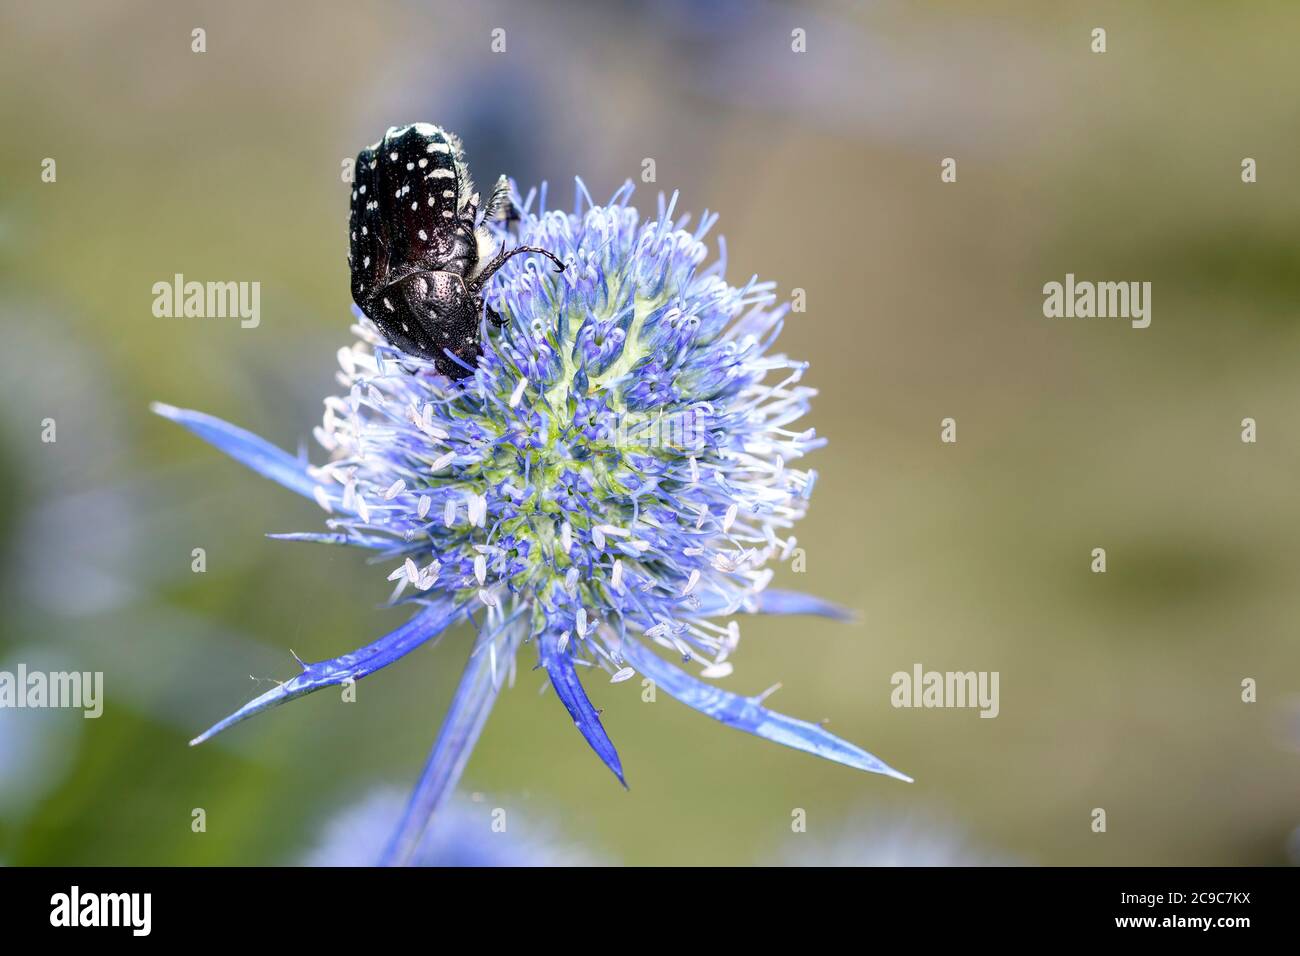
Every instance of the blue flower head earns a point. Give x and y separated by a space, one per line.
615 477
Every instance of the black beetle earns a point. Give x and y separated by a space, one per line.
415 252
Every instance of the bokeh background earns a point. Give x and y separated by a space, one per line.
1119 691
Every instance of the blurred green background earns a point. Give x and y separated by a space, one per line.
1119 691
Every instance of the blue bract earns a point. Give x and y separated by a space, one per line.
615 477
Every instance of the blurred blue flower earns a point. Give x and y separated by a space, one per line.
464 835
891 838
497 499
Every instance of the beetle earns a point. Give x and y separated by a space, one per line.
419 264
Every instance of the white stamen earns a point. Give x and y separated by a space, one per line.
566 537
422 510
625 673
322 499
449 512
616 579
518 393
691 582
395 489
480 569
722 669
807 491
730 517
412 573
443 461
477 510
563 642
581 621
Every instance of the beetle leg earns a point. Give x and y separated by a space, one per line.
500 258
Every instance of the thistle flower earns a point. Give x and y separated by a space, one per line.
616 474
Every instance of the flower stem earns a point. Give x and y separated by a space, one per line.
479 685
